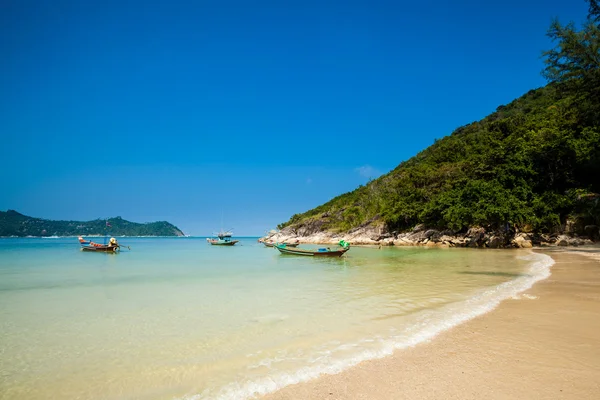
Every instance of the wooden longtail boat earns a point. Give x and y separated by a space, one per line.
87 245
322 252
272 244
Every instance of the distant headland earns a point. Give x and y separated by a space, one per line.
13 223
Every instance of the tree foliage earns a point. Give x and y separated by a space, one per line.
575 61
594 10
577 53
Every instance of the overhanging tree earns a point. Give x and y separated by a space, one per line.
575 62
577 54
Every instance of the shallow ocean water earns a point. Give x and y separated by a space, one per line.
178 318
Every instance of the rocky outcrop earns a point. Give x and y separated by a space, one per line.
475 237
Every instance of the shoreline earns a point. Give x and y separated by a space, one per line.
542 343
475 237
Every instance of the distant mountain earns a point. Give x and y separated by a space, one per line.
13 223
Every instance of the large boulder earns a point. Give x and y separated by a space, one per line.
402 240
387 242
495 242
433 235
475 236
522 240
562 240
418 228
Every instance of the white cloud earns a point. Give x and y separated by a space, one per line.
366 171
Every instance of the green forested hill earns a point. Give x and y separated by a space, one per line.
534 164
13 223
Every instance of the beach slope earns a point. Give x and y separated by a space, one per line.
543 344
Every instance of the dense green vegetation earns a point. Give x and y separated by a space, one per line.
533 164
13 223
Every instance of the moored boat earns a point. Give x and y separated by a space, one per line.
222 238
272 244
320 252
87 245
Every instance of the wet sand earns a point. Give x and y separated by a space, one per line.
545 344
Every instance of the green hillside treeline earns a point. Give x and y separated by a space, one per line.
13 223
533 164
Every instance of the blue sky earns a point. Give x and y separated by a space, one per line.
244 112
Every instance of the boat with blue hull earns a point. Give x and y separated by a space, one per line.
222 238
320 252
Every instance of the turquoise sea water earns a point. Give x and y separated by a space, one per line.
176 318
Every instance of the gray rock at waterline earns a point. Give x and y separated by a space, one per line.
495 242
475 237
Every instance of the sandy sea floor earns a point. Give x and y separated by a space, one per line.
543 344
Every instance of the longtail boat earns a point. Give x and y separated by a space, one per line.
222 239
272 244
88 245
321 252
